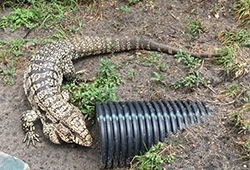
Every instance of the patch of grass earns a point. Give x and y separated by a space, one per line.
192 80
241 117
36 14
227 60
20 17
130 2
163 67
242 9
125 8
246 149
152 58
10 51
101 89
235 39
233 90
7 75
194 28
157 78
153 159
233 67
189 61
131 74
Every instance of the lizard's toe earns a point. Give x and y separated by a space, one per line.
31 137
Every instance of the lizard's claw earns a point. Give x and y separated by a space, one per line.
31 137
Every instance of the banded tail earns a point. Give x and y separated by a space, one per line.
89 45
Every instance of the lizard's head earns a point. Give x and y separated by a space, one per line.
73 129
80 136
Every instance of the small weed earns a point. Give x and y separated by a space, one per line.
235 39
125 8
240 117
242 9
163 67
169 159
8 73
132 1
131 74
232 90
157 78
10 51
226 61
194 28
16 46
151 59
189 61
20 17
101 89
192 80
130 60
35 14
152 159
246 149
12 48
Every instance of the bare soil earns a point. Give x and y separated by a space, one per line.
211 145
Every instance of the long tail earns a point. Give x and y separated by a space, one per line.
93 45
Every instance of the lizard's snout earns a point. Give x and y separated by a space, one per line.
87 141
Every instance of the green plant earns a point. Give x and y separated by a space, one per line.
170 158
35 14
133 1
157 78
125 8
192 80
232 68
189 61
101 89
20 17
131 74
153 158
152 58
163 67
242 9
8 73
246 148
194 28
240 117
10 51
232 90
235 39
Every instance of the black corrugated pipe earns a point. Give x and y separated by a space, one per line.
128 128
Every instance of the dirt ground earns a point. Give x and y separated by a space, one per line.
211 145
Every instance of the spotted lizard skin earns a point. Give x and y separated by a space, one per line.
63 122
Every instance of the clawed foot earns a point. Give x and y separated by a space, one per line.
31 137
28 119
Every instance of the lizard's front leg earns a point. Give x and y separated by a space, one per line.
50 131
57 133
28 123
